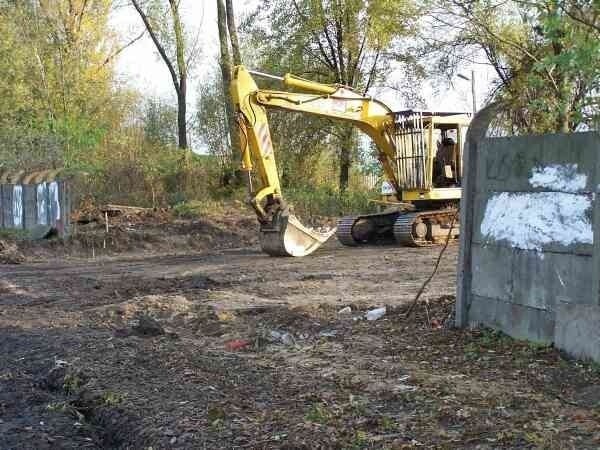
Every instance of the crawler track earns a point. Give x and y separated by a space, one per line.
412 229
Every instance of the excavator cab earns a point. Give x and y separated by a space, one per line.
429 149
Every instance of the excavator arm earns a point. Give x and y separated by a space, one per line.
281 233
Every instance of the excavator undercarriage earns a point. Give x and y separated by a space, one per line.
406 228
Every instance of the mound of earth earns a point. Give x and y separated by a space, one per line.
97 234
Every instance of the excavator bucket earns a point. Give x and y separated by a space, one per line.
288 237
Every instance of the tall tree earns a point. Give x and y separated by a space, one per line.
227 38
176 61
233 35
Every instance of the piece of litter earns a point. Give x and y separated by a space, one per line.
376 313
330 333
283 337
236 344
404 388
346 310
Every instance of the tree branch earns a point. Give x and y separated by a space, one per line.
158 45
109 58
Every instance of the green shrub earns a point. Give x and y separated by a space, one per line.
325 201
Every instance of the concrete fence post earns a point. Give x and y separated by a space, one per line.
596 235
476 133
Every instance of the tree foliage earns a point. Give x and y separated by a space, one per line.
351 42
56 78
547 62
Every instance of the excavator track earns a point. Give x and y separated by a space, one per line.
424 228
367 228
344 231
409 229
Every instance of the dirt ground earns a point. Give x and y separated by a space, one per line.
227 348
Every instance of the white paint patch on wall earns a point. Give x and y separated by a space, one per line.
18 206
54 200
558 177
530 220
42 205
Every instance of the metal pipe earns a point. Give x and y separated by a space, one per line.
265 75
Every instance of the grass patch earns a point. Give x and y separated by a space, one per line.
111 398
195 208
72 383
318 413
14 234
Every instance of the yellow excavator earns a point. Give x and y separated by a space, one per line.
420 153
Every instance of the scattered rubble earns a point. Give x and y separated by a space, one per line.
10 254
282 337
266 360
148 327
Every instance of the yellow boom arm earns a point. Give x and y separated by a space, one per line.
332 101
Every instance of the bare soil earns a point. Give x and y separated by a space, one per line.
228 348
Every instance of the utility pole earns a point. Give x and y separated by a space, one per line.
473 95
473 92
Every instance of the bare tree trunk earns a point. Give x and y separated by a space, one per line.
179 75
226 71
235 44
347 143
182 69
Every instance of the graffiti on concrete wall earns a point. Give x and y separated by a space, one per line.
33 200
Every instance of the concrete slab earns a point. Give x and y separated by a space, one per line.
6 192
543 280
578 330
492 272
520 322
29 202
506 163
479 206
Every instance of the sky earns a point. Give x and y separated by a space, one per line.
139 65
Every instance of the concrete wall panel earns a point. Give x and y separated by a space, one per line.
520 322
577 330
30 208
27 206
7 205
541 280
479 209
507 163
530 272
492 272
